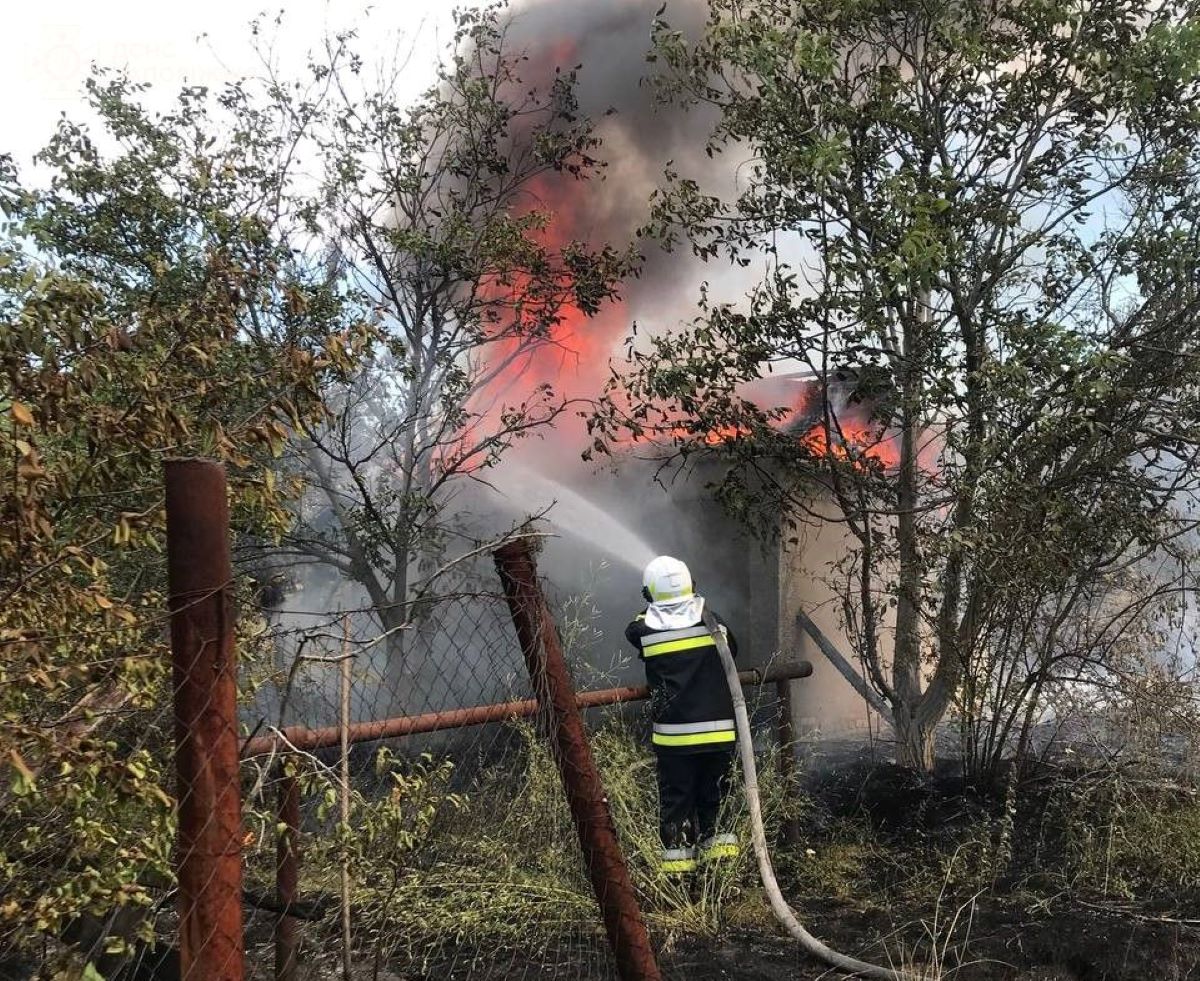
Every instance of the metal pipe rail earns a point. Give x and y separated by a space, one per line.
304 738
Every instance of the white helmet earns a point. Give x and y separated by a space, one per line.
666 579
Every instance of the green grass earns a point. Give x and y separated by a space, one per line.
445 867
498 865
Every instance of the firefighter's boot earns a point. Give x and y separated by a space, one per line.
719 848
678 861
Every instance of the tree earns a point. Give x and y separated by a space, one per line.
438 220
985 215
182 285
152 304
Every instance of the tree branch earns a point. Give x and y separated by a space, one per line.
843 665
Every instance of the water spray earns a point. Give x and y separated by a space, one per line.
574 515
783 912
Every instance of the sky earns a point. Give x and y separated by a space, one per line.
51 44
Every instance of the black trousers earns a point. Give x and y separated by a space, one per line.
691 789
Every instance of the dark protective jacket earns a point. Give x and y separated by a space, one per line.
689 697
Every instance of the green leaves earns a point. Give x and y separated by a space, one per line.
151 304
991 208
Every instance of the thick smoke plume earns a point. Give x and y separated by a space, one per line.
609 43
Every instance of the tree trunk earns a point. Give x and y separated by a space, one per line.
395 677
914 745
914 739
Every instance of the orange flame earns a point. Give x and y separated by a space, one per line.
848 437
853 442
540 338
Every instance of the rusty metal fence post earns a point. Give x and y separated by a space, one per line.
785 733
206 747
585 793
287 872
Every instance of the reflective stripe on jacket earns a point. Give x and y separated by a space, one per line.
689 697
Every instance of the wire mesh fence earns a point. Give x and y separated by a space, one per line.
448 849
457 852
397 808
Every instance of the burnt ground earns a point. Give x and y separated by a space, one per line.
1001 942
1003 946
1004 943
870 878
1039 919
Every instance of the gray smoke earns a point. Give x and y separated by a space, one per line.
609 43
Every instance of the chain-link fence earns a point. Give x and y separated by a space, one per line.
445 847
369 803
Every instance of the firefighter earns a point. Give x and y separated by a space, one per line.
692 710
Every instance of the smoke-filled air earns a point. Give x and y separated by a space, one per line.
612 490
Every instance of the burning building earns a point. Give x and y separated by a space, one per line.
610 522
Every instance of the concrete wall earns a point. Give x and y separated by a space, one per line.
801 574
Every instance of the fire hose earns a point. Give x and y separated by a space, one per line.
783 912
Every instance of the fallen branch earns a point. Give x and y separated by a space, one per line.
1135 915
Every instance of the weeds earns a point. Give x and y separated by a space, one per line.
941 950
1106 833
480 859
497 865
